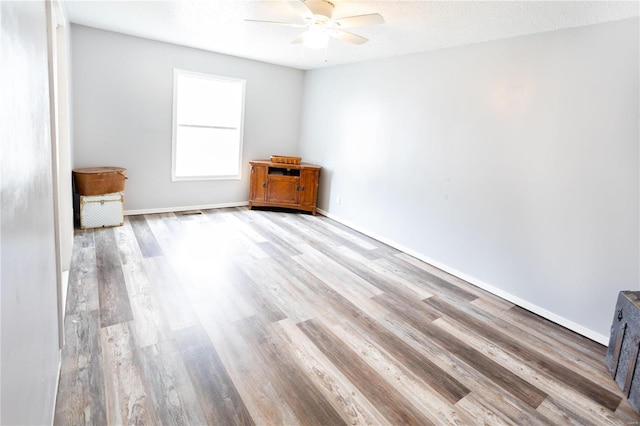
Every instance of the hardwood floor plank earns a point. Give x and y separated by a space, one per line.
386 399
337 305
304 234
168 291
307 402
127 244
588 349
590 367
421 389
488 298
445 385
222 285
430 282
146 241
371 272
256 292
481 412
214 215
484 389
216 393
572 401
626 414
507 380
574 380
162 233
559 413
169 386
344 229
244 227
488 305
276 288
338 238
126 398
275 252
408 309
343 395
149 326
81 394
334 229
311 288
228 239
82 293
264 403
349 285
392 282
272 234
115 307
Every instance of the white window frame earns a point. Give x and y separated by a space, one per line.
176 74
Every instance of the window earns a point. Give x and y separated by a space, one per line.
208 115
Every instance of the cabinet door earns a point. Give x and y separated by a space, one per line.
258 182
308 187
282 189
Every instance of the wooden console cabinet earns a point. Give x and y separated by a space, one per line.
292 186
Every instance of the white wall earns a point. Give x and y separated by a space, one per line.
29 326
513 163
122 109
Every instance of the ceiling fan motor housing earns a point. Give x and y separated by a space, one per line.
320 7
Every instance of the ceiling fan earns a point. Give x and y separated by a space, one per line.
317 18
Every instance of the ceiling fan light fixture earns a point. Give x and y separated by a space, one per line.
315 38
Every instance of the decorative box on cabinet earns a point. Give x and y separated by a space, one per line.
98 211
624 343
293 186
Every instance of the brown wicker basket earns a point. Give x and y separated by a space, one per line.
99 180
285 159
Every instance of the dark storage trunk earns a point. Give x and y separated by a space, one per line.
622 354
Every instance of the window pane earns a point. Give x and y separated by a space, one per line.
208 115
207 152
209 102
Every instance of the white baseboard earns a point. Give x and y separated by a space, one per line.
185 208
597 337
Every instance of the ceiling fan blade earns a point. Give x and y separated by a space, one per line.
286 24
346 36
359 20
300 8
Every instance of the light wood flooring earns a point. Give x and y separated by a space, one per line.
233 316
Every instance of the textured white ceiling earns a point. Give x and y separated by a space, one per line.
410 27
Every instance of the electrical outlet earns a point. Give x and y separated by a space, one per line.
339 199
